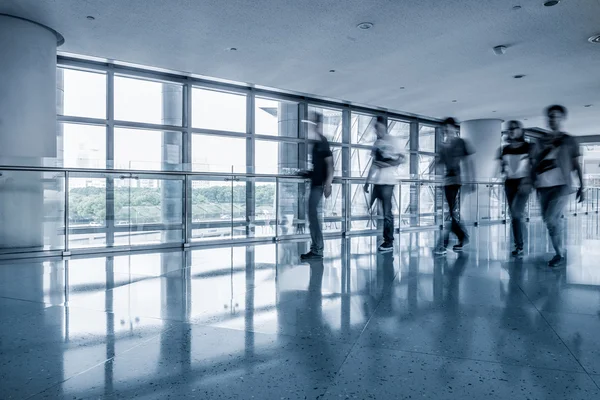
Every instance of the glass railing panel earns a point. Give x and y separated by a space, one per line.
265 203
292 203
32 207
88 208
155 209
212 208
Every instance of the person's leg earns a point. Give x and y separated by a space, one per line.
517 214
450 194
316 236
457 228
387 191
511 190
556 203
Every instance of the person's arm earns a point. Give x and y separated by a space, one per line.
329 178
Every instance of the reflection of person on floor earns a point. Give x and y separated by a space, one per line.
454 152
321 178
516 159
386 156
556 158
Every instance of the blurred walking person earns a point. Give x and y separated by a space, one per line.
555 161
516 160
321 178
454 154
386 156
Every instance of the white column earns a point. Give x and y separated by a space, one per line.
485 136
27 126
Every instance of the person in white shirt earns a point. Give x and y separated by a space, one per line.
386 156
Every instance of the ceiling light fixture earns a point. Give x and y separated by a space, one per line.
91 18
588 105
365 25
402 88
494 111
232 49
332 70
519 76
516 8
454 101
551 3
594 39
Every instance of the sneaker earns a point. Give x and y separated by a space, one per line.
311 256
386 247
518 252
440 251
461 246
557 261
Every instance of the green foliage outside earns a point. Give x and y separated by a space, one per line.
143 205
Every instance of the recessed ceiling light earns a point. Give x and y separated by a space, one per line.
232 49
588 105
551 3
594 39
332 70
516 8
365 25
454 101
91 18
524 119
519 76
494 111
402 88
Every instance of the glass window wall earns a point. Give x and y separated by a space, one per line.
136 130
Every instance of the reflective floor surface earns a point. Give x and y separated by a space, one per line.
252 322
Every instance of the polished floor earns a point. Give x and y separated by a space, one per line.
251 322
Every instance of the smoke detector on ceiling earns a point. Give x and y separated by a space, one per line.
594 39
365 25
499 50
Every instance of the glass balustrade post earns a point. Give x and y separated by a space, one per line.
276 236
477 204
66 216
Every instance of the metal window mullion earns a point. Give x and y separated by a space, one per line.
346 167
110 156
186 158
414 172
250 165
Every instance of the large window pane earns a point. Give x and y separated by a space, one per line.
84 93
360 159
147 149
218 110
362 129
401 130
147 101
276 118
212 153
426 166
84 145
276 157
332 122
426 138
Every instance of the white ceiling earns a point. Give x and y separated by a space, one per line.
438 50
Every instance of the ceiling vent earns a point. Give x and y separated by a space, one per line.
594 39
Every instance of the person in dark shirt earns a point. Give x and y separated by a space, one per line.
453 153
516 160
321 178
556 158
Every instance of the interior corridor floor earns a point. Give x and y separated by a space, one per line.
252 322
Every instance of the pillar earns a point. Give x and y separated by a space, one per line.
485 137
27 126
